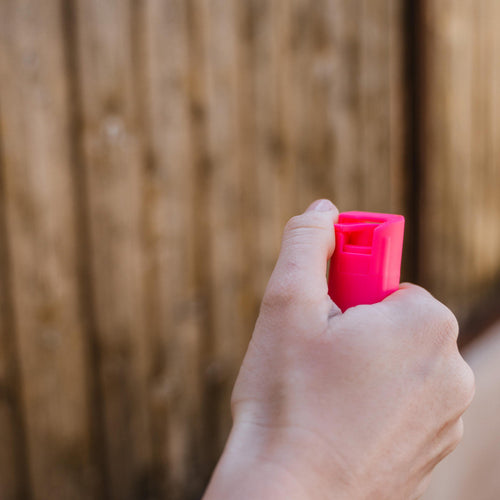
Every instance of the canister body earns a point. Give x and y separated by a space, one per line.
366 264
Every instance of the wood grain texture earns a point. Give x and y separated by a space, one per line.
13 464
151 152
460 241
224 205
113 168
171 240
368 105
40 220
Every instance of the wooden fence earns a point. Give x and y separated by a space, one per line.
150 154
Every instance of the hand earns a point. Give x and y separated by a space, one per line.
360 405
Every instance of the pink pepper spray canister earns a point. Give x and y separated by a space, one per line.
366 264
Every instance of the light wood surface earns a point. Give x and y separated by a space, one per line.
460 206
150 155
41 240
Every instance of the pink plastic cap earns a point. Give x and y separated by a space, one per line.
366 265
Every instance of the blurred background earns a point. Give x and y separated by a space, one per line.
151 152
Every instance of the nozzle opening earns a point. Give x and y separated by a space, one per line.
359 236
362 236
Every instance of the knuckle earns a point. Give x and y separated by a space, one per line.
467 385
415 290
297 225
456 434
446 324
451 439
294 223
278 296
461 386
306 221
450 324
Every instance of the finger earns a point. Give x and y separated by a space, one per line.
414 304
409 301
406 290
308 242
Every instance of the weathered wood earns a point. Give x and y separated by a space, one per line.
460 209
40 217
228 336
171 241
112 158
191 132
13 465
265 195
366 104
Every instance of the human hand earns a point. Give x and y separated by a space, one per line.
360 405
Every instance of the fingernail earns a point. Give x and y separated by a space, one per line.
321 206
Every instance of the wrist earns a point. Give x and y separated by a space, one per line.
259 462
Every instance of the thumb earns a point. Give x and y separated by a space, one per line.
308 242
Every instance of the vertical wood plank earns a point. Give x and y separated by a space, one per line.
381 124
112 157
266 193
224 207
202 165
460 208
13 464
171 223
485 242
309 107
40 216
367 105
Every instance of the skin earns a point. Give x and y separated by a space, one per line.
360 405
